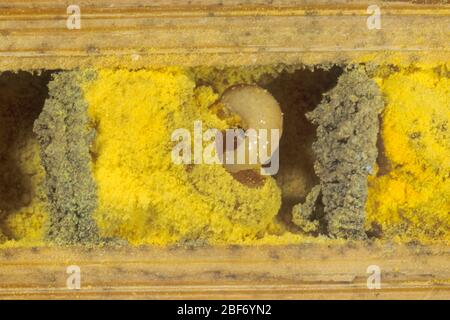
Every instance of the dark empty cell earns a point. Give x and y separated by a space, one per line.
22 97
298 93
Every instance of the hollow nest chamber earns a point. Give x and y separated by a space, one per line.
86 157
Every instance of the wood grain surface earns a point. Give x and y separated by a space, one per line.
316 271
136 34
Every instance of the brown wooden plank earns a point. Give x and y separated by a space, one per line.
287 272
138 34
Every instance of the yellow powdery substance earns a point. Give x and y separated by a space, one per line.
25 223
143 196
410 197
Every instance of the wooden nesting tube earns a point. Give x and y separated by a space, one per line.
292 272
135 35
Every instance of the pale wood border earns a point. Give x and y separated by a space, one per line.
138 34
317 271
